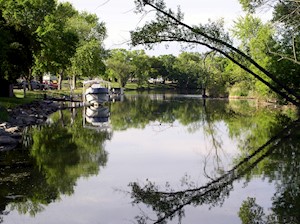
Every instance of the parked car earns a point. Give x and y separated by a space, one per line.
34 85
51 84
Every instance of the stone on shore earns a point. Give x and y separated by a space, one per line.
7 143
35 113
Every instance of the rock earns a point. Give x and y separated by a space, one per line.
3 132
22 116
7 140
17 136
3 124
28 120
13 129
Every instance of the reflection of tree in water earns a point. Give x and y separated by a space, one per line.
60 153
22 185
162 110
169 203
65 153
249 125
282 167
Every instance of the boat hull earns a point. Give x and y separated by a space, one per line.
96 98
96 94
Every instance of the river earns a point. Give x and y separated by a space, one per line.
156 158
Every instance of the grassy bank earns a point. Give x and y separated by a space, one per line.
19 99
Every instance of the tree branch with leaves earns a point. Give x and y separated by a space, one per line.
168 26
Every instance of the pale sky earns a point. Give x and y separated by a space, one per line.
120 18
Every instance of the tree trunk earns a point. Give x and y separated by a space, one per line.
204 92
24 90
74 81
6 88
29 79
60 78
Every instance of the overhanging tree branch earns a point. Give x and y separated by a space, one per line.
293 59
283 90
272 87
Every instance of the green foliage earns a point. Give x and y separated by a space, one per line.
240 89
142 66
251 5
88 60
166 69
284 50
25 17
168 26
43 36
189 70
15 56
28 14
87 27
58 44
254 37
251 213
120 66
65 151
3 114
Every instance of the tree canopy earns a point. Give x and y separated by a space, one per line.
39 37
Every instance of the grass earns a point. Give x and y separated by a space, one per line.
19 99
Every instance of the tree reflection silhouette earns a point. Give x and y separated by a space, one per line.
65 151
57 155
169 203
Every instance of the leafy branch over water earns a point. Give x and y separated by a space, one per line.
170 203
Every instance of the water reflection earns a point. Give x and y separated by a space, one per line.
72 145
57 155
267 160
97 117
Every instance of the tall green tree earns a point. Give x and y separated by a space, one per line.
167 70
88 60
286 46
189 70
254 37
142 66
25 17
15 56
58 43
120 66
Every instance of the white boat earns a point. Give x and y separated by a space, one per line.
95 93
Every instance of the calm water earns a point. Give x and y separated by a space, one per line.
156 158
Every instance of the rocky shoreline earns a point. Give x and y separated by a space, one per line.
22 116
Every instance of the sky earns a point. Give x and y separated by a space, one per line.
120 18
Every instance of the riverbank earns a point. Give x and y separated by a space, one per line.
33 113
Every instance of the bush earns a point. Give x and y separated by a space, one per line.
240 89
